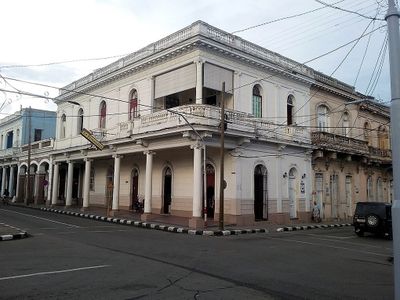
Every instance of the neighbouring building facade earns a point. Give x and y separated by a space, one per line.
158 114
14 136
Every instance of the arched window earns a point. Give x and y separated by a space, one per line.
367 133
133 105
257 102
62 126
323 118
79 125
103 114
290 110
345 124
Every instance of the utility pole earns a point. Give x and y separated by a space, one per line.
28 180
392 19
221 179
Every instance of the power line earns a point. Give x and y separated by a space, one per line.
283 18
349 11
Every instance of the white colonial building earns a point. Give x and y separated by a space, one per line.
155 111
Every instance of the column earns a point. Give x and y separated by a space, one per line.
68 201
55 180
117 170
11 182
308 181
3 180
36 186
199 81
197 182
148 187
17 188
86 183
50 182
279 182
236 92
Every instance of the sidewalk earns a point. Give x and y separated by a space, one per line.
180 224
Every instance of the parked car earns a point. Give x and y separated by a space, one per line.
374 217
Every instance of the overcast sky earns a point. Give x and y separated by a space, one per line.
41 31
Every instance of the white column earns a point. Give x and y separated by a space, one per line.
70 178
55 180
117 170
17 188
199 82
11 182
36 184
86 183
279 182
3 180
50 181
308 181
148 187
197 181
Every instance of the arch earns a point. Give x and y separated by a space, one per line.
292 192
383 137
167 190
257 101
133 104
290 105
323 117
260 192
79 123
102 114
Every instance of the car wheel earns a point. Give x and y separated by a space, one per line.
372 220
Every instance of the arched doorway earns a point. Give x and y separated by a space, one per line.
260 192
292 193
134 188
167 190
210 171
22 181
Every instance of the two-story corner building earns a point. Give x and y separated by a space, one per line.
157 111
352 160
14 135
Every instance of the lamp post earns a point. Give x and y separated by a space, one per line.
392 19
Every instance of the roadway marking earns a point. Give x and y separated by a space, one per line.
350 243
54 272
45 219
333 247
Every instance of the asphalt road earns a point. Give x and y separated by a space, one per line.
73 258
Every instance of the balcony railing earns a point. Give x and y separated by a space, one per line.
207 115
339 143
9 152
44 144
380 153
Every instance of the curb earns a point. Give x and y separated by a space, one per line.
175 229
307 227
15 236
156 226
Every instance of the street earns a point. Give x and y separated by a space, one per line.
73 258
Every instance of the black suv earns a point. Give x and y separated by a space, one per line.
375 217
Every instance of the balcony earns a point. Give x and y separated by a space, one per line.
10 152
380 154
339 143
239 123
43 145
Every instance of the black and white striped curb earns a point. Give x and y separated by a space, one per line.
20 235
156 226
307 227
